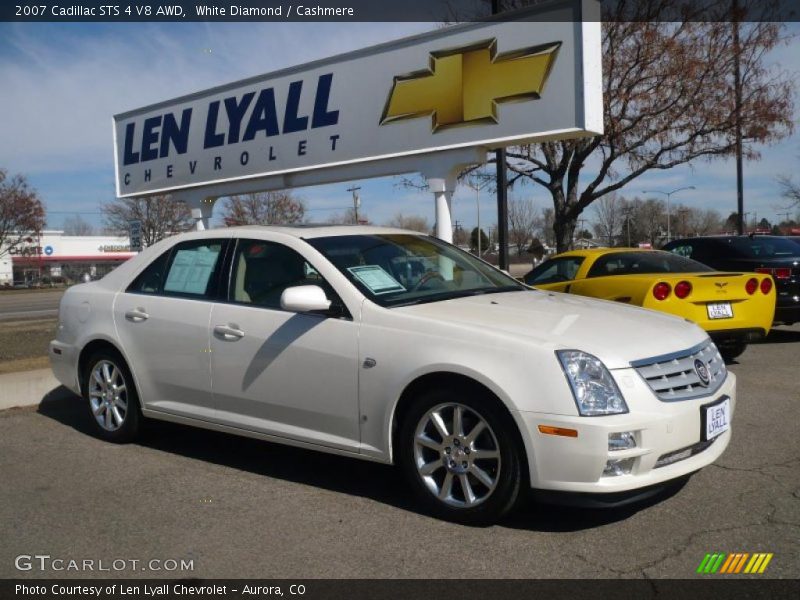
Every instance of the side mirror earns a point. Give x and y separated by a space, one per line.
304 298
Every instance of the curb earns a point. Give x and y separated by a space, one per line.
26 388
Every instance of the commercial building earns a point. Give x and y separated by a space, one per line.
52 255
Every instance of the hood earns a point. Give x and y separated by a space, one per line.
616 333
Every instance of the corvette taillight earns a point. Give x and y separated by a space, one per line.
683 289
661 290
766 286
751 286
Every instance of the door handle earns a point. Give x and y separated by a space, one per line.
137 315
229 332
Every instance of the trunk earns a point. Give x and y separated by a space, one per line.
564 228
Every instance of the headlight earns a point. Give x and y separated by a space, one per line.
592 385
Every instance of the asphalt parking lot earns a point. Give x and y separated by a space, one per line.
245 508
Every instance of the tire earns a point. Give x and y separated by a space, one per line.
731 348
486 456
111 397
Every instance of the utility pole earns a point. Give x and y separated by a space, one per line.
737 92
502 192
356 201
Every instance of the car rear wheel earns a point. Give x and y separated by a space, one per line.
113 402
460 455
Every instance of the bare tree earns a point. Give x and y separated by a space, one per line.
412 222
610 219
21 212
161 216
522 223
668 100
348 217
77 225
790 191
695 221
264 208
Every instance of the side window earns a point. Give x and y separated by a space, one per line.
149 281
683 250
193 269
555 270
262 270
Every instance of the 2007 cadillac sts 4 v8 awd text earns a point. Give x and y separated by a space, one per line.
396 347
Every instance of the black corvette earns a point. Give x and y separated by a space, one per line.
778 256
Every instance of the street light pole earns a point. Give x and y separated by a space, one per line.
669 197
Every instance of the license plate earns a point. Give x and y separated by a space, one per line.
719 310
716 418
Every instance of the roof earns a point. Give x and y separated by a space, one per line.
309 231
600 251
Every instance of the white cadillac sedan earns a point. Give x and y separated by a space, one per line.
392 346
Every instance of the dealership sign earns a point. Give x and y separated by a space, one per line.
485 84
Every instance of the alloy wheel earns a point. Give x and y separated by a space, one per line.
457 455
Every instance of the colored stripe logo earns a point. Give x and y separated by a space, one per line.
735 563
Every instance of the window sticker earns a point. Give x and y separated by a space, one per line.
376 279
191 270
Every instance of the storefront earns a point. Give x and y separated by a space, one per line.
53 257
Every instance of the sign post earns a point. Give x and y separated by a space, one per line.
135 234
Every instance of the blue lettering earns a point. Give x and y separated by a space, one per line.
235 114
264 117
150 137
334 139
244 158
291 122
212 138
179 136
323 117
129 156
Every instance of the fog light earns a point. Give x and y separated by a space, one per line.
618 466
624 440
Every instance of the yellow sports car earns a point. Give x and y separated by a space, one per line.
732 307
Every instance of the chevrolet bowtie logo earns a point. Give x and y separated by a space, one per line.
464 85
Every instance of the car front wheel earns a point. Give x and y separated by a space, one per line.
112 398
460 455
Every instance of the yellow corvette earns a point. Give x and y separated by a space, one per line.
732 307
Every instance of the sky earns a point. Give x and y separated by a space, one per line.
61 84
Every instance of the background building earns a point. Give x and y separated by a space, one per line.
53 256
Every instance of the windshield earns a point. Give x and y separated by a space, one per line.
402 269
632 263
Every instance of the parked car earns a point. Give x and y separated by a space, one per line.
771 255
732 307
333 338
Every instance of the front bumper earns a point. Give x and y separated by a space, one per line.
576 464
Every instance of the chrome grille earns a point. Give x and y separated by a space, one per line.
674 377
